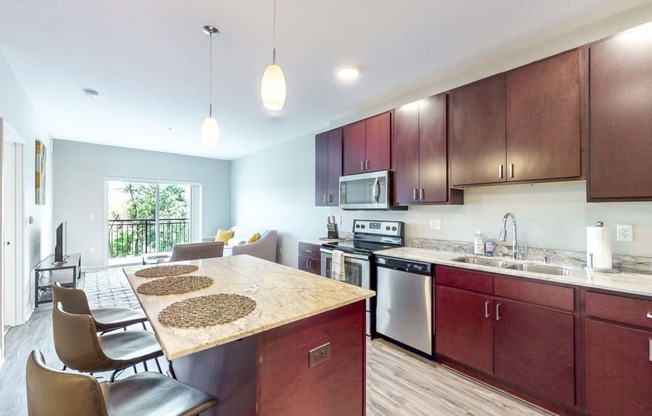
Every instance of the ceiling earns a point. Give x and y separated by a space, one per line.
149 60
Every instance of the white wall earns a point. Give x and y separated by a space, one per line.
17 110
275 189
81 168
276 186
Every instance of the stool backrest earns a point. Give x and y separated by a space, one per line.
76 343
195 251
73 300
53 392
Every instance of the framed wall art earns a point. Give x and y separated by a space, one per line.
39 173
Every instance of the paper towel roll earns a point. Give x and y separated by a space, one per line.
598 243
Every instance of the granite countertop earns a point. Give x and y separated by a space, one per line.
320 241
282 294
630 283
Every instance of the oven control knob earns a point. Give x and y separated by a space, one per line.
362 226
387 228
393 228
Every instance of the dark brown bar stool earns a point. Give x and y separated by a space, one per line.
80 348
70 394
106 319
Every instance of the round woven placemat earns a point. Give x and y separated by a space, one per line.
207 311
174 285
165 271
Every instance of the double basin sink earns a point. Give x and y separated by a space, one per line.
533 268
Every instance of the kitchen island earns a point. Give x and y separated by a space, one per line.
260 363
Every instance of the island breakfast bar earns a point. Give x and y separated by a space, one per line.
300 351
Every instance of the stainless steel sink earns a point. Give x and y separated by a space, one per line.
535 268
482 261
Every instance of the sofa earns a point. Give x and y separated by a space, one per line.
264 247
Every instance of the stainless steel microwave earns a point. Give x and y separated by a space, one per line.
365 190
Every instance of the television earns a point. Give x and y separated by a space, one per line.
60 248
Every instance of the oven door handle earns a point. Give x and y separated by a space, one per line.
346 255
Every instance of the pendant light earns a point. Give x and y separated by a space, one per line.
210 131
272 87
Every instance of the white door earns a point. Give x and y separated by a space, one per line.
10 281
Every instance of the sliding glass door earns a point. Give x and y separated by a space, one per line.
148 217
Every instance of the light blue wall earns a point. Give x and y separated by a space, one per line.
80 170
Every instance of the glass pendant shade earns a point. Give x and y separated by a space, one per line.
272 88
210 132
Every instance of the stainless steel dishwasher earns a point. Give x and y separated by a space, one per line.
404 302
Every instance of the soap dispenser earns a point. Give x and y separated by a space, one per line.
478 243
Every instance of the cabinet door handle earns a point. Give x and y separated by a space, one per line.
649 315
511 170
650 352
421 194
500 171
308 264
368 164
498 312
330 198
486 309
362 165
414 194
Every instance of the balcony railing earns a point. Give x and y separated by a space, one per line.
134 237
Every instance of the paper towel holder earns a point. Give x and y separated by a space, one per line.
615 267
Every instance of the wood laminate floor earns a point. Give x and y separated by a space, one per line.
398 383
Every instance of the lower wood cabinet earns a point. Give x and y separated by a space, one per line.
309 258
618 355
522 342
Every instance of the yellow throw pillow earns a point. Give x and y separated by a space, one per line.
253 238
223 236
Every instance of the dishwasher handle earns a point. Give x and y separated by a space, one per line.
414 267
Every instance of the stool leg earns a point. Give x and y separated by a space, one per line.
144 326
171 370
145 365
158 365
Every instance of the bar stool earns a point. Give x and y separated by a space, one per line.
106 319
80 348
70 394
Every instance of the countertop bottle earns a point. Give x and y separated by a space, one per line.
478 243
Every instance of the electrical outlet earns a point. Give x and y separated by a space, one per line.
435 224
318 355
624 232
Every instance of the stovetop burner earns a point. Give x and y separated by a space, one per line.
369 236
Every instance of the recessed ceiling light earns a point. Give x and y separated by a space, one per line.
348 72
91 93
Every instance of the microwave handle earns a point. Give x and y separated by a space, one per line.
376 190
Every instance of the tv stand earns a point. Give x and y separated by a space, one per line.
48 271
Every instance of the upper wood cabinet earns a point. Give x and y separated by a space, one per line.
477 132
419 153
520 126
543 119
620 125
328 167
366 144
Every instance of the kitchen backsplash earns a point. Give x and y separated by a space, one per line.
562 257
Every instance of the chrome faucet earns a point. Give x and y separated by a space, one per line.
503 234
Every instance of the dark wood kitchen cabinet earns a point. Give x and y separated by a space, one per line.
522 333
328 167
477 132
309 258
366 145
519 126
620 118
618 355
543 107
419 153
